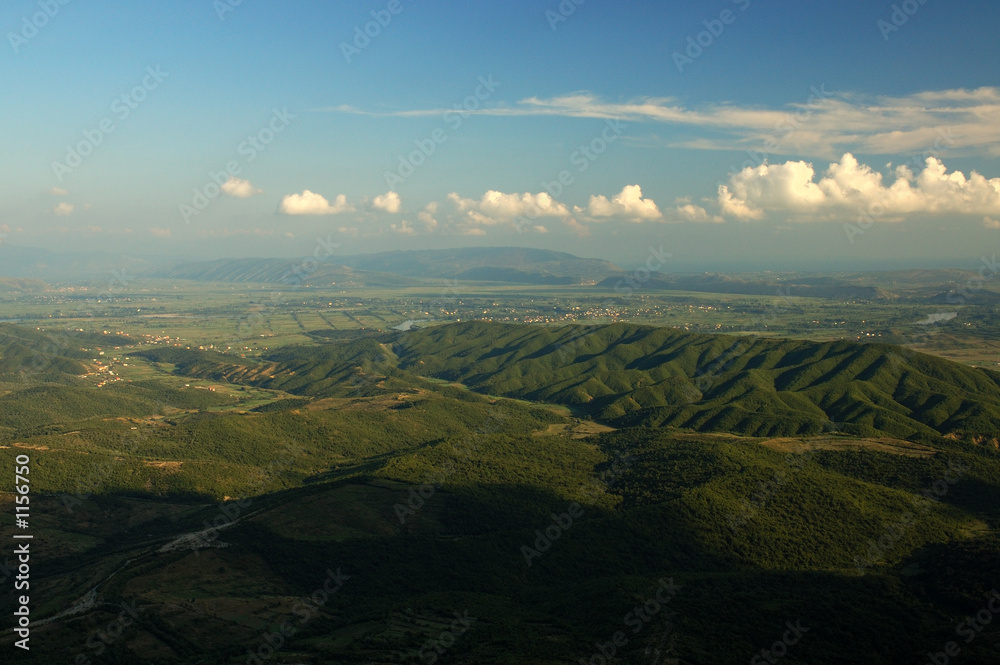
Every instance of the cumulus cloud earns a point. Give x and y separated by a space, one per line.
991 223
850 185
388 202
427 217
310 203
58 191
240 188
64 209
628 204
695 213
403 228
576 227
160 233
499 208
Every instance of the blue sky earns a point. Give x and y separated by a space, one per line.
720 152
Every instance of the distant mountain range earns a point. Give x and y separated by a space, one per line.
499 265
517 265
37 263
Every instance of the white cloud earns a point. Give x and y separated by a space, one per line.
388 202
498 208
426 216
577 228
628 204
822 122
403 228
64 209
310 203
695 213
991 223
851 186
735 207
58 191
160 233
239 188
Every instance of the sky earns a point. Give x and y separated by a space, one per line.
731 134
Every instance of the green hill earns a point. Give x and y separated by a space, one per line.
639 375
218 525
630 375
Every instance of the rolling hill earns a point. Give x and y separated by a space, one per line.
216 524
628 375
640 375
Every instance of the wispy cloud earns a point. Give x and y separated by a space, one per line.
828 124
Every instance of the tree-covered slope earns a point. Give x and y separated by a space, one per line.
631 375
641 375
